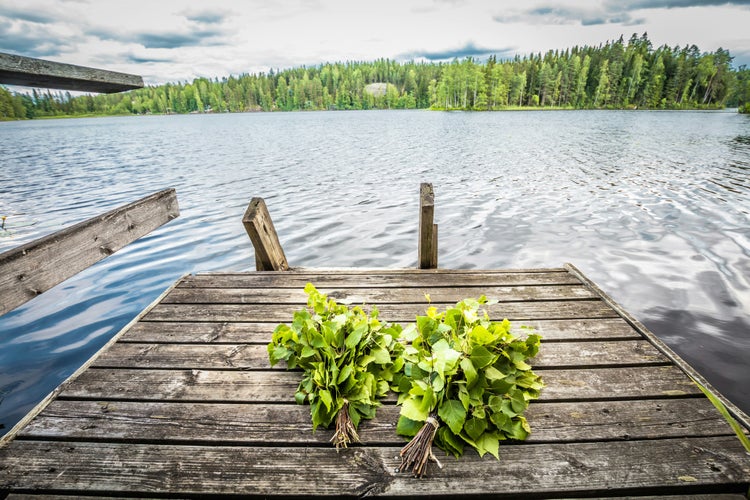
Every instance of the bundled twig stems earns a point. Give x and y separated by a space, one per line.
345 431
418 451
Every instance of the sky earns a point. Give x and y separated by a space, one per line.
170 41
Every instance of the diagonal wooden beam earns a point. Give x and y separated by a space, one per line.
269 256
30 72
33 268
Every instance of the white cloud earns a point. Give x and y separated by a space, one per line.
170 40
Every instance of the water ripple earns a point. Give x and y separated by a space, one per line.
654 206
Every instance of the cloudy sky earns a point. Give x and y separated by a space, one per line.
166 40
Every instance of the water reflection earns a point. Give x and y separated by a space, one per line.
652 206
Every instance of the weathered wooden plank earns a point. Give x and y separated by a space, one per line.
253 356
235 333
290 425
376 295
269 256
30 72
677 466
514 311
30 269
279 386
428 230
379 278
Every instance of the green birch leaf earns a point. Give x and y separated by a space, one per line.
449 442
479 335
355 336
408 427
452 412
410 333
344 374
463 396
326 398
381 356
307 352
278 353
491 373
518 402
469 372
495 403
481 357
444 358
332 344
478 371
474 427
502 421
488 443
413 409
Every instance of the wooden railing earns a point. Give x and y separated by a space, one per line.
19 70
269 255
33 268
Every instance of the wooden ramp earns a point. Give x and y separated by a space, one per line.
183 403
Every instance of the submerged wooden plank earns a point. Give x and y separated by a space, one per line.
260 333
279 386
514 311
254 356
376 295
31 72
381 278
33 268
290 424
678 466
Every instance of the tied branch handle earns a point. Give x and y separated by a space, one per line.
418 451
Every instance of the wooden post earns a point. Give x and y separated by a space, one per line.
19 70
428 231
33 268
269 256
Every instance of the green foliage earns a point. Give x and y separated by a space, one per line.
616 74
348 358
736 427
472 373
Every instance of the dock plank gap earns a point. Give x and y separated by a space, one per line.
183 402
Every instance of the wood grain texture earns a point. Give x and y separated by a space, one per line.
185 403
424 279
279 386
30 72
289 424
684 465
269 256
33 268
427 246
358 296
254 356
397 313
227 332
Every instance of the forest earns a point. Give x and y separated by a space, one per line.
613 75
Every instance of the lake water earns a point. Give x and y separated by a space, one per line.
653 206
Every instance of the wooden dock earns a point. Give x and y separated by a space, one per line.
183 402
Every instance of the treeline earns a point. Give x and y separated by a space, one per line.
614 75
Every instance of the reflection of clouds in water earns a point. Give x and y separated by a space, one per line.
653 206
719 346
